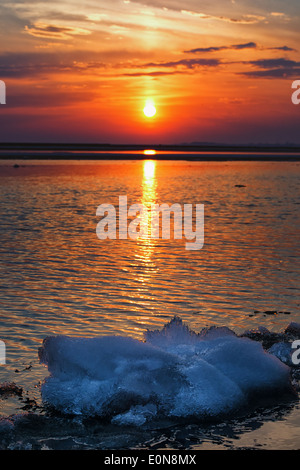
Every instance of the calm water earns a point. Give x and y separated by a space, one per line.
57 277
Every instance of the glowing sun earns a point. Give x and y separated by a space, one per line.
149 109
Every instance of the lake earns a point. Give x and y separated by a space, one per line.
59 278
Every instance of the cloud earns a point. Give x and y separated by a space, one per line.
186 63
280 16
67 16
35 64
248 45
273 68
151 74
282 48
274 73
269 63
277 13
178 67
244 19
42 30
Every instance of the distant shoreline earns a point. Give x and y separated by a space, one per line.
190 152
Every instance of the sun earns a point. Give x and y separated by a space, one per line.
149 109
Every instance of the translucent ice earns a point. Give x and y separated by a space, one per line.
175 372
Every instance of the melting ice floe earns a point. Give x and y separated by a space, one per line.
174 373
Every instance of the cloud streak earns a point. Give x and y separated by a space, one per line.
237 47
248 45
244 19
186 63
35 64
42 30
273 68
44 64
152 74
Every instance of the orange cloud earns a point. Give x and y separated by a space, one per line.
42 30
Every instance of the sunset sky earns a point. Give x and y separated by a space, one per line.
217 71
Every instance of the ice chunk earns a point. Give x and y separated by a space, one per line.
86 373
175 372
283 351
261 331
173 333
216 332
137 415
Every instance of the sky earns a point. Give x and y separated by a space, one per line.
217 71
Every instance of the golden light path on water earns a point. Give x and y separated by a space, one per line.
149 197
145 249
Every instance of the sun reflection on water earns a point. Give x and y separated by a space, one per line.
149 172
146 244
